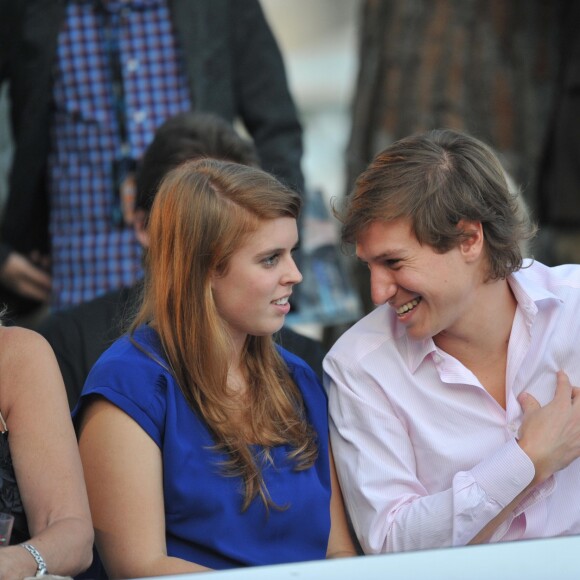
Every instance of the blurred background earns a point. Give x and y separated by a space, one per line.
319 41
367 72
364 73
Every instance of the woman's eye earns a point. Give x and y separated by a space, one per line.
271 260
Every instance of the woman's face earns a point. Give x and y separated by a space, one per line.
252 296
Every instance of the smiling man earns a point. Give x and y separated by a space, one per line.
453 418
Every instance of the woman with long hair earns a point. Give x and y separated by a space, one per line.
205 446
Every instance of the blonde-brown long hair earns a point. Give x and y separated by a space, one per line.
202 213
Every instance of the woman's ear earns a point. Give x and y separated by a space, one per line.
472 241
140 226
214 275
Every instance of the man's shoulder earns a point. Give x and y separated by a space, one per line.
376 329
553 279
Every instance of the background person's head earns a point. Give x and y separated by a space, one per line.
436 180
181 138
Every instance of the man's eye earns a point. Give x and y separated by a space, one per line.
394 263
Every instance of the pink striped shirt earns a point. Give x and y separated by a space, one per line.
426 457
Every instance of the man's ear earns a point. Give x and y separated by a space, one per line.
140 226
472 241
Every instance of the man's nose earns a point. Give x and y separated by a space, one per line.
383 286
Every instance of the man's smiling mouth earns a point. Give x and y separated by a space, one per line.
408 306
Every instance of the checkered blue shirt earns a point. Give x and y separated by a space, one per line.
90 254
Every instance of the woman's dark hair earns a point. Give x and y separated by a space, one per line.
184 137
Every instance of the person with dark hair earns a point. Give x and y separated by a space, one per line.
196 413
79 335
187 136
453 418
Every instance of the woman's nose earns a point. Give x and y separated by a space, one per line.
293 274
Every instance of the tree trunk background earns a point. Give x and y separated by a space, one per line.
487 67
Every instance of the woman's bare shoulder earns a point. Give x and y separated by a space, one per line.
27 363
21 344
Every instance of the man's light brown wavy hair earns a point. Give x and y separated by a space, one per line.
435 180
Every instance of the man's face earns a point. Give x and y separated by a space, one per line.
429 292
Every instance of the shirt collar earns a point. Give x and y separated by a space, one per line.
530 290
530 285
418 351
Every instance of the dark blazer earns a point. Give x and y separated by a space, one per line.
234 69
559 179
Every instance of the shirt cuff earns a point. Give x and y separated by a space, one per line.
505 474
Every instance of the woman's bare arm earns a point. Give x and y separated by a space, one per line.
45 457
123 470
340 544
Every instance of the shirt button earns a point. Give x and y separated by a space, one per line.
139 116
513 427
132 64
